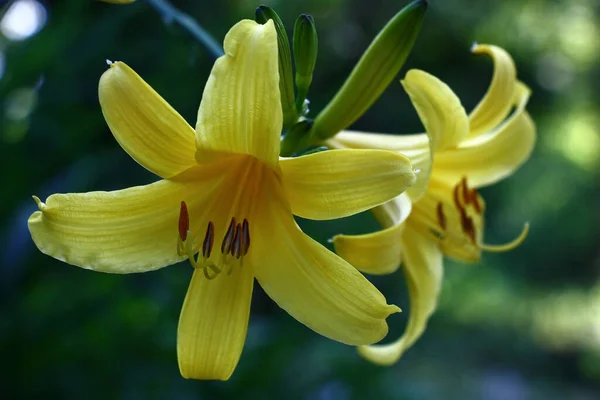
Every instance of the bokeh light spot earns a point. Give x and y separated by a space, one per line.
23 19
577 139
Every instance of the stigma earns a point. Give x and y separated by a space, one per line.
234 245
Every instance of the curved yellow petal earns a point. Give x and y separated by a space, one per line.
125 231
423 270
415 147
240 110
144 124
440 110
498 100
312 284
379 252
492 156
338 183
213 324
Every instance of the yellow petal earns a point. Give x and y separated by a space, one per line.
213 324
241 109
125 231
497 102
314 285
440 110
415 147
144 124
379 252
337 183
492 156
423 270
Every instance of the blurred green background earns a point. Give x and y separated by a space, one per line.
521 325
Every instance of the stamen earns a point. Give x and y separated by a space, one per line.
184 221
228 239
213 267
465 190
245 237
474 199
510 245
456 198
467 225
442 221
209 240
236 247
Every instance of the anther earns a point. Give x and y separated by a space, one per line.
467 225
465 189
473 199
245 236
456 197
209 240
228 239
441 216
236 247
184 221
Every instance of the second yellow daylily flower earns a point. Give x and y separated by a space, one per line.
442 214
226 202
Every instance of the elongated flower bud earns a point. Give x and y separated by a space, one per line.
286 83
376 69
305 55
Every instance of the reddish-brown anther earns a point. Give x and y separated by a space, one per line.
441 216
209 239
184 221
228 239
245 236
475 201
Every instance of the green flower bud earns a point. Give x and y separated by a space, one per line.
286 83
376 69
305 47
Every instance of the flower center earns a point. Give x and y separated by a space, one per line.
226 213
458 222
234 246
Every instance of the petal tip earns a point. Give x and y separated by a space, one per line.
378 355
393 309
41 205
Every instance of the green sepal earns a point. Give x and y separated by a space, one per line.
376 69
305 46
286 82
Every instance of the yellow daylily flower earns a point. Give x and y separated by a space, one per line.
442 214
224 186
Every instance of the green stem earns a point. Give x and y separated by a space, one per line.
170 14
